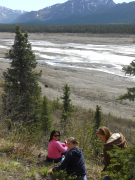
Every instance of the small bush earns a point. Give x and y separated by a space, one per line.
44 171
122 165
56 104
62 175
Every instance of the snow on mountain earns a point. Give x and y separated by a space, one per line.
71 7
7 15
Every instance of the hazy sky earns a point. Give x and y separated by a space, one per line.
30 5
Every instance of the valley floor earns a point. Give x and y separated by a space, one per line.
88 87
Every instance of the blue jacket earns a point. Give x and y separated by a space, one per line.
73 163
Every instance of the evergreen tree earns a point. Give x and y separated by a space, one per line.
122 165
95 142
45 119
97 118
130 91
21 90
67 107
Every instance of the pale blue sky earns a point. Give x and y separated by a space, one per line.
34 5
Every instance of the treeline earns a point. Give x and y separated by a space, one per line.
99 29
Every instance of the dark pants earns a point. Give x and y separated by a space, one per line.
53 160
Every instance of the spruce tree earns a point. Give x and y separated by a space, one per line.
67 106
45 118
122 165
97 118
21 90
130 91
95 142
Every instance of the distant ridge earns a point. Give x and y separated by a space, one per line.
119 14
58 11
75 12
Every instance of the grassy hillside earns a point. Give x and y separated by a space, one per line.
23 149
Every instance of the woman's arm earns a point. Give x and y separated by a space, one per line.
64 145
65 163
61 148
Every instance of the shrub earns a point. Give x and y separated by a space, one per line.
56 104
62 175
44 171
122 165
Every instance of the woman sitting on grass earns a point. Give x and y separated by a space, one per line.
55 147
110 139
74 161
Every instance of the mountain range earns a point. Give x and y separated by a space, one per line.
8 15
73 12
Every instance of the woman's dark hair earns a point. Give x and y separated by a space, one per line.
52 134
